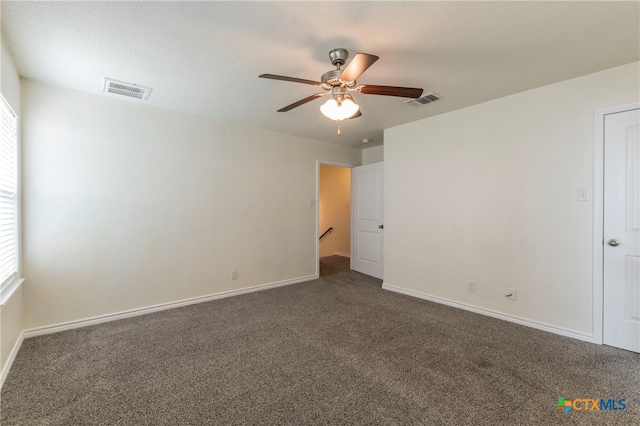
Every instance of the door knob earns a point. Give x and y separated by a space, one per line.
613 243
381 226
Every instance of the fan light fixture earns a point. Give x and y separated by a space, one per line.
339 111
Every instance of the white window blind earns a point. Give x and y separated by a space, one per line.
8 195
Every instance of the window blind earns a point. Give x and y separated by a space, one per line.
8 195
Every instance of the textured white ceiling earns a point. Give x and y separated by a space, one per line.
205 57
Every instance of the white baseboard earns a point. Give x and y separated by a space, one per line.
337 253
38 331
12 357
488 312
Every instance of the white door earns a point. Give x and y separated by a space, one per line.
622 230
367 219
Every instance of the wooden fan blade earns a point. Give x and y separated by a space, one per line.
292 79
403 92
356 115
301 102
357 66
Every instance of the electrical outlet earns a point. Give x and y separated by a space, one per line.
234 275
471 286
512 294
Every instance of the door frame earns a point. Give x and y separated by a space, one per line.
598 217
326 163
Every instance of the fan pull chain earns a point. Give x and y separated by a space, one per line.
338 123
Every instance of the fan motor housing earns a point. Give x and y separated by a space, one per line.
332 78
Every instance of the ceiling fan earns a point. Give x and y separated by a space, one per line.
338 82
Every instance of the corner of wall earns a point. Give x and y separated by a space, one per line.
11 312
9 78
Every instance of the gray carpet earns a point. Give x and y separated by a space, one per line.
338 350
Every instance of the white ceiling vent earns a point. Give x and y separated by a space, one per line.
423 100
126 89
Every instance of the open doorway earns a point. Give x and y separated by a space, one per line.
334 215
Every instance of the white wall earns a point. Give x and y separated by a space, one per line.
334 198
9 79
11 328
373 154
488 193
128 206
11 324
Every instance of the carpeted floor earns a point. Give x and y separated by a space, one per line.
338 350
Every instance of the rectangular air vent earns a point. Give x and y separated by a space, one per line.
423 100
126 89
